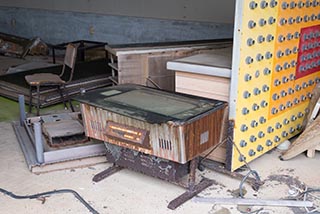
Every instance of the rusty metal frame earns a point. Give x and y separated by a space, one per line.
192 189
26 139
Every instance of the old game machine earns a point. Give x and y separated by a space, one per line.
154 132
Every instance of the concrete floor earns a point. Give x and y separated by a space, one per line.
131 192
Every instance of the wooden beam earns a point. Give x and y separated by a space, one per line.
309 139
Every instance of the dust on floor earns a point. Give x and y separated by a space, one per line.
130 192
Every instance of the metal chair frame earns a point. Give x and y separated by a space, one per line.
37 80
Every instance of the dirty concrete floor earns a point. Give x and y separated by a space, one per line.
131 192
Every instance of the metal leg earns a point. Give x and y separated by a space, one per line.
38 102
106 173
192 174
71 106
22 110
81 51
62 97
193 189
38 142
30 99
68 98
53 56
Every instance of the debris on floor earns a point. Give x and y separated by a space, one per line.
152 193
87 76
59 143
11 45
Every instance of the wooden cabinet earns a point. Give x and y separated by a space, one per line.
146 64
206 75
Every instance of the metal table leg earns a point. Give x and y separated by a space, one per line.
38 102
106 173
193 189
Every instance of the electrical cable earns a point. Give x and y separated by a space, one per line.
309 191
254 173
44 194
251 171
213 149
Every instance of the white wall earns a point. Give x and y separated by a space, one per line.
218 11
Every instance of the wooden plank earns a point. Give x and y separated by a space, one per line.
203 85
210 87
114 66
138 63
131 69
315 99
214 63
157 71
158 47
220 153
312 152
309 139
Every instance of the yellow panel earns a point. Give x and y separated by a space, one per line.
268 108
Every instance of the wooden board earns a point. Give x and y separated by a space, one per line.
131 69
312 152
313 106
140 64
214 63
203 85
308 140
118 50
219 154
206 75
158 73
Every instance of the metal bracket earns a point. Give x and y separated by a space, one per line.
189 194
106 173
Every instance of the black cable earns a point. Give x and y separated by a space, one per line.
43 194
251 171
213 149
309 191
255 174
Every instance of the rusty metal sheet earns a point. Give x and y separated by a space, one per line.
18 46
146 164
64 132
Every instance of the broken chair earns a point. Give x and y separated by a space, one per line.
53 80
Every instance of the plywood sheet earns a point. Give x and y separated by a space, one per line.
215 63
203 85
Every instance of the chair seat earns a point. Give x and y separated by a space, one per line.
44 79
